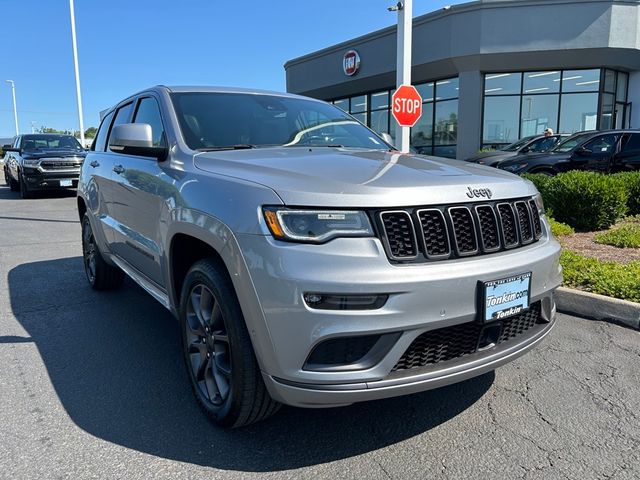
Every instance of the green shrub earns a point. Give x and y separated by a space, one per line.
541 181
560 229
605 278
624 236
586 201
631 182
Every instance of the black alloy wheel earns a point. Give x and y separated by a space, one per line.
100 274
89 250
208 346
217 349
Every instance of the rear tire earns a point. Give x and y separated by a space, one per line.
100 274
217 350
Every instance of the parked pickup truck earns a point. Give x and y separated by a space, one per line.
42 161
308 262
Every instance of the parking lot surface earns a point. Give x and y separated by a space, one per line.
92 386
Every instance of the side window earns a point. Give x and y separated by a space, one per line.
149 112
123 114
602 144
99 144
632 143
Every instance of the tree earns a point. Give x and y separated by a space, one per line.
90 132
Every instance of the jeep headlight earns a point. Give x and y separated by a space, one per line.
316 226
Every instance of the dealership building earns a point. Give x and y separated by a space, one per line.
490 72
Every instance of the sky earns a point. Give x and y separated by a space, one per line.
127 45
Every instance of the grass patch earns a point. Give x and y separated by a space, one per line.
624 236
559 229
605 278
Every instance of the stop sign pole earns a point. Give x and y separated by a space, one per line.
403 68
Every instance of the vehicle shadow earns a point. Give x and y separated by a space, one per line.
7 194
114 361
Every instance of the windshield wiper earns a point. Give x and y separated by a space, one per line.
240 146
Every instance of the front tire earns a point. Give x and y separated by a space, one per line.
217 350
24 189
13 185
100 274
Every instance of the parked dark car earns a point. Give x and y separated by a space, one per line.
606 151
42 161
527 145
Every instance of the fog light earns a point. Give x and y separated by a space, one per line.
323 301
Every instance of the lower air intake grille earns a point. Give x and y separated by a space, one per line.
340 351
449 343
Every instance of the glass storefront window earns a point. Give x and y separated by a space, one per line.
579 112
361 117
380 121
422 132
426 91
580 80
542 82
502 83
621 91
608 103
501 119
538 112
609 81
343 104
358 104
446 89
380 100
446 126
449 151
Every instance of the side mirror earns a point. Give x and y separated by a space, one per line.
135 139
9 148
387 138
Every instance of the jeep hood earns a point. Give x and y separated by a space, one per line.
346 177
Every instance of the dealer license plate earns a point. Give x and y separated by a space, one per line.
506 297
66 183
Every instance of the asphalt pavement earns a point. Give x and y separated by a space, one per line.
92 386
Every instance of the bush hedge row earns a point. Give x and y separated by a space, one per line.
589 201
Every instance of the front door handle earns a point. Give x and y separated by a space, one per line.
118 169
95 164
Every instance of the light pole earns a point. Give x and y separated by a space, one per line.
75 65
15 108
403 67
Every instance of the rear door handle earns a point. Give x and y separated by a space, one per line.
95 164
118 169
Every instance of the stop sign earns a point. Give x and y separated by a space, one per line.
407 105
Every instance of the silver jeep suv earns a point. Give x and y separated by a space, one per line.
308 262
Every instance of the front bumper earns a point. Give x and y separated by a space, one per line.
40 179
422 297
322 396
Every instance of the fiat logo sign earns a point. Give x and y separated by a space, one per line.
351 63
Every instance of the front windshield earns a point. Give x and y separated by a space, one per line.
515 146
572 142
211 121
50 142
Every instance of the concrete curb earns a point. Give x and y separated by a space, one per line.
598 307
